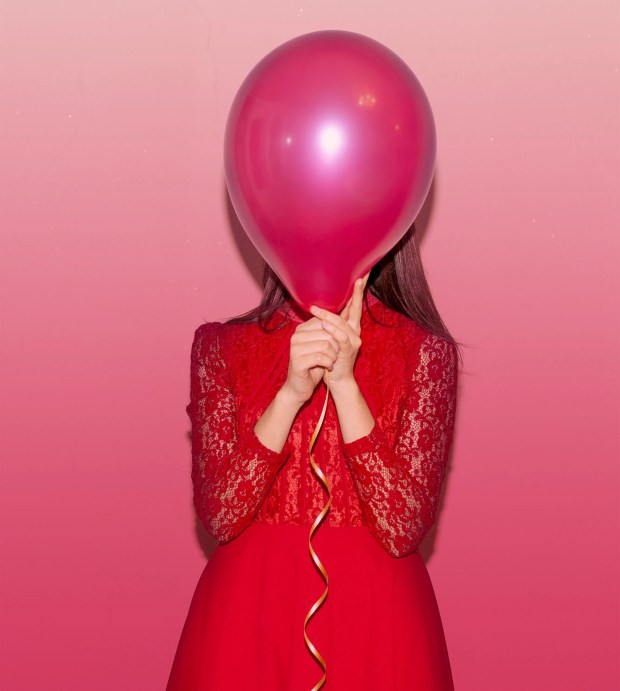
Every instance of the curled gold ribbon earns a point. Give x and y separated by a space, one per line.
313 554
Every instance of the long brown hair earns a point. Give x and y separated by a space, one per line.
397 280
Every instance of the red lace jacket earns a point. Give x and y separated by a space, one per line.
388 480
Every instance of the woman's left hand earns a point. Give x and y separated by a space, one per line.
345 328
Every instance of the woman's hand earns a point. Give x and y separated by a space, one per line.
346 330
312 351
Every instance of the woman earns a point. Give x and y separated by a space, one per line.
257 391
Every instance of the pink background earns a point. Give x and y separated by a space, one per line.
117 243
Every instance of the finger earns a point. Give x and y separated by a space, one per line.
310 360
318 346
316 334
332 318
341 337
312 325
309 324
366 278
346 309
355 313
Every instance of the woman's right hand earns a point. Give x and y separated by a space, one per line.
312 351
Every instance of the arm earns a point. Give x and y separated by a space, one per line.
398 475
232 470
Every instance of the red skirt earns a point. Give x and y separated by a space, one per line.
379 628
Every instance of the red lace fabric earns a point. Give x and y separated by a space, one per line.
389 480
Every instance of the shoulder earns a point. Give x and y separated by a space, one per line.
206 341
206 332
438 360
215 331
216 338
211 330
424 349
437 346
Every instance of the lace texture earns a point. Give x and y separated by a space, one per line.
389 480
231 469
399 475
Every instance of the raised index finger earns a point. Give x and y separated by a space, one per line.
355 306
355 311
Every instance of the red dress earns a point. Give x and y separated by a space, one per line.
379 629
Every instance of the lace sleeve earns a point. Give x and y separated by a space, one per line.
232 470
399 476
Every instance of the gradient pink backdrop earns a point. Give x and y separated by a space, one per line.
117 242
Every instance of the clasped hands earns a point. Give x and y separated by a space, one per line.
346 331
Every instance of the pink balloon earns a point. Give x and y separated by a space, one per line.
329 154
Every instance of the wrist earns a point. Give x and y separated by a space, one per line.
354 416
346 389
288 398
